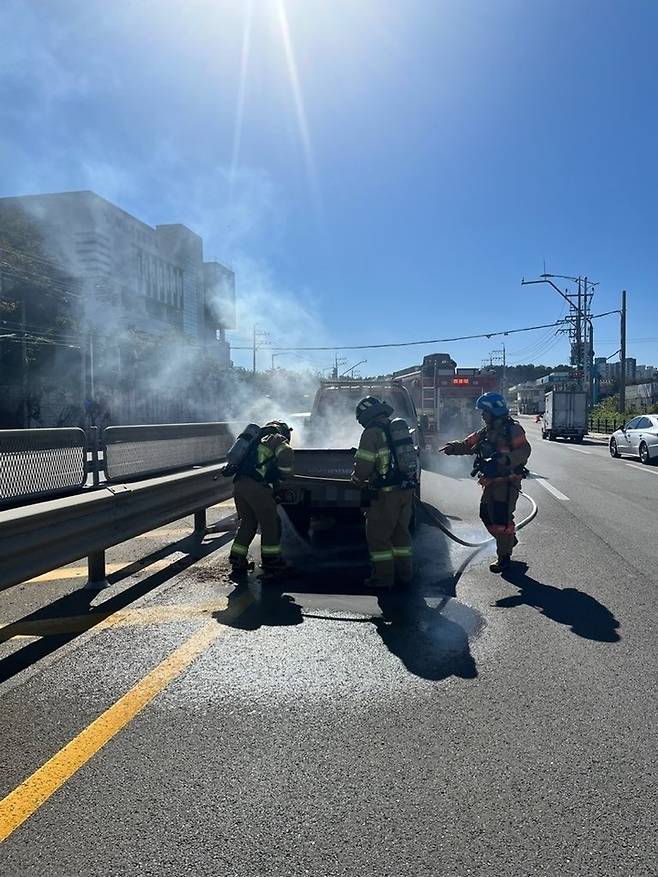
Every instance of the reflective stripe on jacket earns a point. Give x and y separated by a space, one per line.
274 460
373 460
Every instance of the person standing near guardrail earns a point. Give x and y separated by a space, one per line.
501 451
268 459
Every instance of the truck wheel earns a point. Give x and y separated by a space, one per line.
551 436
578 439
543 434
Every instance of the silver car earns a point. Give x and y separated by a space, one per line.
639 438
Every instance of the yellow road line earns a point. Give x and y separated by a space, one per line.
26 799
143 616
78 572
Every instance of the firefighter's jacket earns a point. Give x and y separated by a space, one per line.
373 461
274 460
508 439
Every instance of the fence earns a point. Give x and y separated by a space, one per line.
606 425
139 451
83 516
41 463
37 464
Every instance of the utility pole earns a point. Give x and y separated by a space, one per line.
258 334
499 357
622 355
579 319
337 361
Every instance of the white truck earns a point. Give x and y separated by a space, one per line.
565 416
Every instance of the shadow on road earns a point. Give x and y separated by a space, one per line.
61 621
257 604
429 643
583 614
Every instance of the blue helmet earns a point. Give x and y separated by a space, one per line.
494 404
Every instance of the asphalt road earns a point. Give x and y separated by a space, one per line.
476 725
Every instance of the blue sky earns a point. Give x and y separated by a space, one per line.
392 170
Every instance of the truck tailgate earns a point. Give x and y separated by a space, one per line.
324 463
334 463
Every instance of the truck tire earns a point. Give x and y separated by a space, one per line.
578 439
551 436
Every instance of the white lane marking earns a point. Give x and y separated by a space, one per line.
642 468
578 450
549 487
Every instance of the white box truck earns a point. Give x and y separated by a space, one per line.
565 416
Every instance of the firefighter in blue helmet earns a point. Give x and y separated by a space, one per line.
389 514
502 450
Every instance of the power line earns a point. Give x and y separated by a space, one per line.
556 324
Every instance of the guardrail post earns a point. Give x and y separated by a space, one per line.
200 524
97 579
200 529
93 441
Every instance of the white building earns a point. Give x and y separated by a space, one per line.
152 280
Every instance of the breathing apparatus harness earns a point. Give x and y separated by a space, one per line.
486 452
398 438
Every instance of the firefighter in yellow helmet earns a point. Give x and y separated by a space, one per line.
269 460
501 450
389 514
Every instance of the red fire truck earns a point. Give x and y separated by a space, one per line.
445 396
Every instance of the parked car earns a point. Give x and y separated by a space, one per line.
638 438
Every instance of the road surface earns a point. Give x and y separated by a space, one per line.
477 725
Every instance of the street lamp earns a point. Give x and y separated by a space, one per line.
274 355
351 368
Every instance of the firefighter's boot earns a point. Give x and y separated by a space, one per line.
501 564
240 566
276 567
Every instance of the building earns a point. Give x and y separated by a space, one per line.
611 371
529 397
646 373
134 276
643 397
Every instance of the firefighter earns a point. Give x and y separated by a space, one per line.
389 514
270 459
502 451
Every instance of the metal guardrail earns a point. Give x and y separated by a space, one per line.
40 463
37 538
139 451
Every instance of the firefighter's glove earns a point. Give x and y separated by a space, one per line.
227 471
449 450
490 469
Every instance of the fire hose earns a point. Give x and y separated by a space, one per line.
519 526
465 543
344 482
